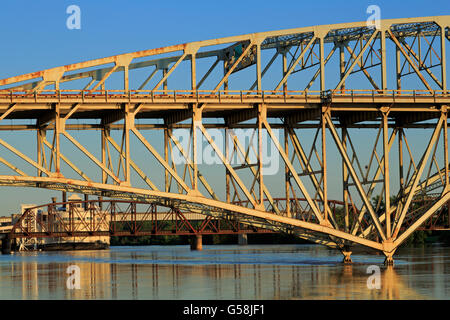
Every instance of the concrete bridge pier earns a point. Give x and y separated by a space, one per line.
6 245
389 250
242 239
389 261
196 242
347 257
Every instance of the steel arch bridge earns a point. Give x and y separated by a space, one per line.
333 81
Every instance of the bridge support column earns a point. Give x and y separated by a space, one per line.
389 250
6 245
448 213
347 257
242 239
64 198
196 242
389 261
85 205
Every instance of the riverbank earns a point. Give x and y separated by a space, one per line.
269 238
416 239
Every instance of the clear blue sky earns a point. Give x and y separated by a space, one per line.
34 35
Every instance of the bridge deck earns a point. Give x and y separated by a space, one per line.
182 97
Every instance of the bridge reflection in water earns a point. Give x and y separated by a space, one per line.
223 272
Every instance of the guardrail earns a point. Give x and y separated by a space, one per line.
219 96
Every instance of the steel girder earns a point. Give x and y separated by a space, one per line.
58 99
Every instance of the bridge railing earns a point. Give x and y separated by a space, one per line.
201 94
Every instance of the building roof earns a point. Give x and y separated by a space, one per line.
74 197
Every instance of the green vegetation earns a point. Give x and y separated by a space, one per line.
419 237
149 240
213 239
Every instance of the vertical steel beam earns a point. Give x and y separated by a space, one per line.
345 181
193 72
383 59
165 70
419 45
228 160
398 68
225 70
196 119
39 150
166 158
261 117
128 124
400 163
446 181
57 131
324 162
284 65
126 82
286 173
448 213
387 200
322 63
443 60
342 65
258 66
104 141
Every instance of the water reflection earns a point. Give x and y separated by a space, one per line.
222 272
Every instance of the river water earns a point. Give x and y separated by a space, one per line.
225 272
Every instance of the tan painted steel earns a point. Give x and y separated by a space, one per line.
87 92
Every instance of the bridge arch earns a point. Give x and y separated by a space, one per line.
277 111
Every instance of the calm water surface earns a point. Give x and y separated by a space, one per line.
224 272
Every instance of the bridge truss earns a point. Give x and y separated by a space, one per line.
335 81
118 218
